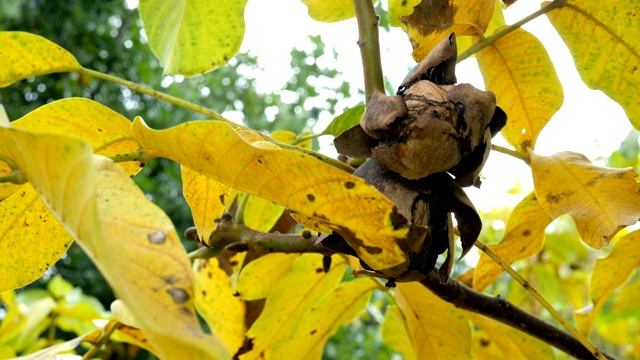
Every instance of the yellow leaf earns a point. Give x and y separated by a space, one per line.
261 214
218 304
437 329
4 118
207 199
337 308
148 267
524 237
400 8
483 348
330 10
52 351
135 336
297 181
193 37
108 132
519 71
291 300
395 333
513 343
463 43
23 55
604 40
608 274
434 20
258 279
600 200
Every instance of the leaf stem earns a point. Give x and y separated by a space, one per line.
240 210
301 139
369 47
515 154
14 178
159 95
132 156
484 42
204 253
103 340
527 286
12 165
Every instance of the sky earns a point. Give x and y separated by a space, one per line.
588 122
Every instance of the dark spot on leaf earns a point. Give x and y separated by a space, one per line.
553 198
349 184
310 197
591 182
234 263
204 293
222 199
170 280
247 345
319 270
526 233
157 238
178 295
236 294
313 332
209 275
259 161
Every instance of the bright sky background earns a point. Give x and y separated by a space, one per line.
588 122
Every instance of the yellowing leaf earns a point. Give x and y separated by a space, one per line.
207 199
218 304
524 237
604 40
519 71
310 333
434 20
483 348
600 200
23 55
258 279
52 351
291 300
437 329
108 132
513 343
261 214
608 274
135 336
297 181
395 333
400 8
330 10
193 37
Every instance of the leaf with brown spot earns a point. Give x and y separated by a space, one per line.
361 214
600 200
523 238
433 20
206 198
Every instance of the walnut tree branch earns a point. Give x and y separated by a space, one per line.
503 311
369 47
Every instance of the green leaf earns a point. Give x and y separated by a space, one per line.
345 121
527 87
23 55
59 287
604 40
193 37
53 351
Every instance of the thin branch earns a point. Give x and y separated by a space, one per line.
555 4
103 340
369 47
503 311
515 154
14 178
592 348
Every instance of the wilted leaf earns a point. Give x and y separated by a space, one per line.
23 55
608 274
433 20
259 278
524 237
395 333
298 181
291 301
519 71
207 199
513 343
216 302
344 121
52 351
600 200
608 58
193 37
339 307
437 329
330 10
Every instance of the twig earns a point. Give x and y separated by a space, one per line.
103 340
592 348
503 311
484 42
369 47
14 178
515 154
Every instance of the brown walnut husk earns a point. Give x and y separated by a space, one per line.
432 129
